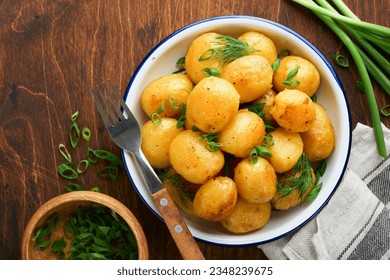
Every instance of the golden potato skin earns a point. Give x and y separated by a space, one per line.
198 48
319 140
293 199
192 160
293 110
251 75
307 75
243 132
161 89
265 46
211 104
247 216
255 183
286 150
215 199
156 140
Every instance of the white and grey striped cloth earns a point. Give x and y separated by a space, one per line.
356 222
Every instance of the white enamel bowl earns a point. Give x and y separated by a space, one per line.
161 61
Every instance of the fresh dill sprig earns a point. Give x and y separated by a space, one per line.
299 178
179 183
228 50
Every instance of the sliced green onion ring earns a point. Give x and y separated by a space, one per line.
86 133
340 60
74 117
74 135
172 102
66 171
386 110
155 118
64 152
82 166
75 187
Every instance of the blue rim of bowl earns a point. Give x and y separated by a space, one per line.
334 74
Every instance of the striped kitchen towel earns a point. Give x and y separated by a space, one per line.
356 222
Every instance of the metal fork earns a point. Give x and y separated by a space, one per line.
126 133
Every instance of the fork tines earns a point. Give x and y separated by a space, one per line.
114 110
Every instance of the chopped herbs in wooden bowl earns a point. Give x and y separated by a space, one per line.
84 225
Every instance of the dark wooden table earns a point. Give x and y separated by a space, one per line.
52 52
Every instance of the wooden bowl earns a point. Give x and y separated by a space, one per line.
66 204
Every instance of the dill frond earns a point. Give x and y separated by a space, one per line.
228 50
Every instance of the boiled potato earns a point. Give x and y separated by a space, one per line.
281 202
212 104
243 132
307 75
293 110
255 183
191 159
174 86
215 199
264 45
200 48
286 150
247 216
156 139
269 100
319 140
251 75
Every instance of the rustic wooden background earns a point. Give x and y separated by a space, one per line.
52 52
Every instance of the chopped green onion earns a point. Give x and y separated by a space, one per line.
211 72
376 34
74 135
110 171
66 171
211 145
386 110
155 116
74 116
64 152
340 60
95 189
75 187
91 156
180 64
275 65
290 82
172 102
83 166
259 151
182 118
86 133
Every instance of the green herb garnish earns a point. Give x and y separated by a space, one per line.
211 72
319 172
182 117
155 116
262 150
340 60
228 50
365 42
299 178
209 138
180 184
43 234
290 82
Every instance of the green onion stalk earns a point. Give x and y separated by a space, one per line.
365 34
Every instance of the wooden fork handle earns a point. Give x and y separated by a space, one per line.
182 236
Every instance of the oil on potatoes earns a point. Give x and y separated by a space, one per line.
205 130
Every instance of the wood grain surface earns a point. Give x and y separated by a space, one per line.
52 52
